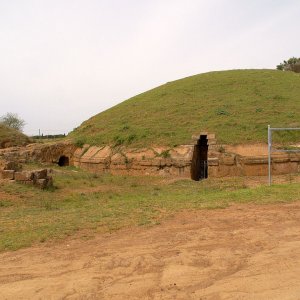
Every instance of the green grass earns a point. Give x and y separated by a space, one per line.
12 136
102 203
236 105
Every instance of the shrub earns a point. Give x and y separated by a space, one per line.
79 142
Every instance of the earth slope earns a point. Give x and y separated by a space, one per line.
235 105
11 137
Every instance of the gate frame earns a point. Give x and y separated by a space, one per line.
270 150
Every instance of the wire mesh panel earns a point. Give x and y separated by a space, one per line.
203 169
271 150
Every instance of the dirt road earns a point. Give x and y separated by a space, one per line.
242 252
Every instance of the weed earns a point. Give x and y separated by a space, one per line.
79 142
165 154
131 138
222 112
125 127
278 97
49 204
221 149
118 141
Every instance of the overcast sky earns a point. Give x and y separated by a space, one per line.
63 61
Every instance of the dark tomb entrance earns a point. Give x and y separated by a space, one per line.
63 161
199 161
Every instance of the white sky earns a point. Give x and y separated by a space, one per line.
62 61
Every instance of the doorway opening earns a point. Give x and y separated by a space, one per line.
63 161
199 167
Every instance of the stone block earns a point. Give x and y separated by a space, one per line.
118 167
295 157
214 161
24 176
41 183
254 160
212 142
180 163
50 181
12 165
8 174
280 159
166 162
50 171
182 152
90 152
228 160
40 174
146 162
27 182
156 162
136 166
284 168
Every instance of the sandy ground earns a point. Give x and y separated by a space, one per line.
242 252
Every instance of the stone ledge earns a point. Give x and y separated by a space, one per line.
227 160
8 174
254 160
214 161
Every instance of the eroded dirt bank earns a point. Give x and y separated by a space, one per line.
242 252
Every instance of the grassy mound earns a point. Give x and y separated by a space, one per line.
236 105
10 137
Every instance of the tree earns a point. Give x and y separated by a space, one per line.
13 120
292 64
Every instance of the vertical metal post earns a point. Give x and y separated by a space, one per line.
269 154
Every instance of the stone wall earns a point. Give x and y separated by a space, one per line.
177 161
150 161
43 153
237 165
223 160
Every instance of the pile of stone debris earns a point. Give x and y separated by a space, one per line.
13 171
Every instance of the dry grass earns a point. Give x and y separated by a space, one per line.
101 203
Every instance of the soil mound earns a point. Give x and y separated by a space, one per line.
235 105
10 137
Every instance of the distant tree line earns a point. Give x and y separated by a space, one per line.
292 64
49 136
